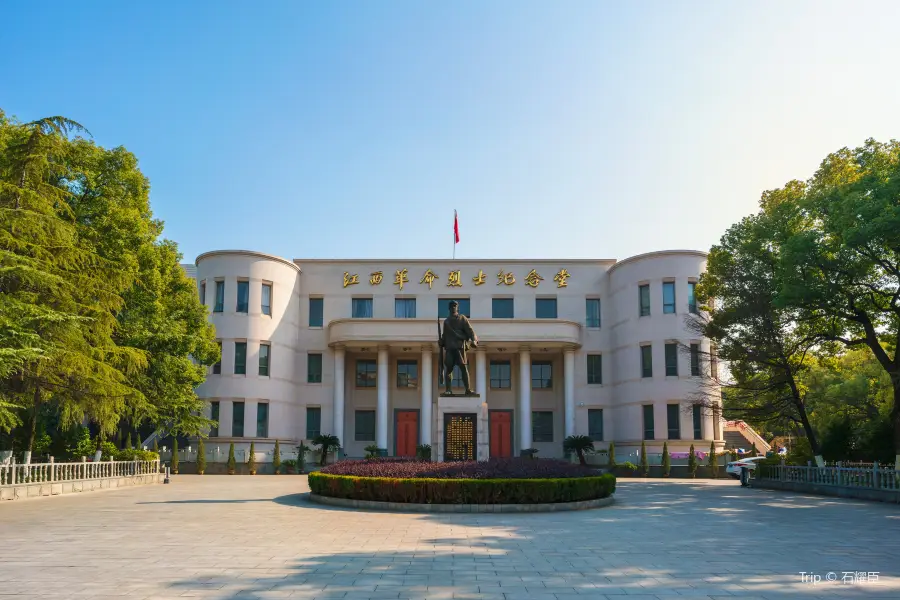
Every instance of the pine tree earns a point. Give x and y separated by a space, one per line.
201 457
232 464
692 462
612 455
276 458
251 460
128 441
666 460
175 455
645 463
713 461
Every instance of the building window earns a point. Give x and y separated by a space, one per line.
262 420
314 422
313 368
545 308
646 361
264 360
592 309
692 298
404 308
668 297
595 424
220 297
366 370
695 360
713 362
243 296
315 312
541 375
214 416
595 368
648 422
203 293
365 426
671 360
362 308
644 299
237 419
407 374
502 308
217 368
673 421
542 426
240 358
266 302
444 307
501 375
698 429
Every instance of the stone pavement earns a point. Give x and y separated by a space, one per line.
221 537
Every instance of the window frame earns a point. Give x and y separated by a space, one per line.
235 421
671 359
646 361
697 421
538 302
503 301
219 300
677 417
651 430
363 412
406 302
406 363
217 367
242 284
592 433
362 301
367 362
465 306
692 297
268 365
541 364
695 360
313 433
214 415
589 321
644 294
263 307
309 367
318 301
594 371
545 435
500 379
669 306
265 423
243 370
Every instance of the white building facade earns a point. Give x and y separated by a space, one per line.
349 347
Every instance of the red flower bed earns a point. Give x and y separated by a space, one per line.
498 468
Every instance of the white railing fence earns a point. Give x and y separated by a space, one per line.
54 472
875 478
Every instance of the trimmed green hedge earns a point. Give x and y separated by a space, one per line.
463 491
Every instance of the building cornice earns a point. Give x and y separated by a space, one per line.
658 254
460 261
246 253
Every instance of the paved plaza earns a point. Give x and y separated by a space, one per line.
222 537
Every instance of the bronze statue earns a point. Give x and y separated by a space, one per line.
457 337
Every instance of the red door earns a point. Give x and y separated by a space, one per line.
407 432
501 428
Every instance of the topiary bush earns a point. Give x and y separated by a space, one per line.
132 454
692 462
423 451
276 458
712 461
232 463
666 460
251 460
463 491
498 468
611 460
645 463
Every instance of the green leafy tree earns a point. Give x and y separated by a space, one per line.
201 457
666 460
302 449
326 443
232 463
611 460
692 462
128 441
712 460
174 455
579 444
276 458
251 460
766 349
645 463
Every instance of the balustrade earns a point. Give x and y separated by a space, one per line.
54 472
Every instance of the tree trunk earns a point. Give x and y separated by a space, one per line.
895 416
32 424
581 457
810 434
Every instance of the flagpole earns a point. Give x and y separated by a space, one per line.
454 234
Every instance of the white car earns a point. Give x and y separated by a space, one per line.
734 468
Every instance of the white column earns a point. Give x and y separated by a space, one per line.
524 398
481 373
381 412
339 395
569 388
427 391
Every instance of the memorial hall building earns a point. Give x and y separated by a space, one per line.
349 348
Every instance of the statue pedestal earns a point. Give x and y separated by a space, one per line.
463 405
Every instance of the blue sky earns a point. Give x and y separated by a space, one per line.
353 129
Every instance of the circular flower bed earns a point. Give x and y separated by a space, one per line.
498 481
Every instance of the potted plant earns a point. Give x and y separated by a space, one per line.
692 462
611 457
371 451
289 465
276 458
251 460
326 443
423 451
713 461
174 461
302 449
232 464
201 457
530 453
630 467
645 463
666 460
579 444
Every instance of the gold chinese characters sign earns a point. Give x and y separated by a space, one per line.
455 279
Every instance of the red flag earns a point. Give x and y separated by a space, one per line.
455 227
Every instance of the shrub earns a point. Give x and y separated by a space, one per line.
579 444
108 451
251 460
530 452
645 463
276 457
232 464
326 443
155 446
666 460
423 451
201 456
692 462
132 454
629 466
712 461
302 449
498 468
612 455
175 456
463 491
371 451
127 442
289 463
